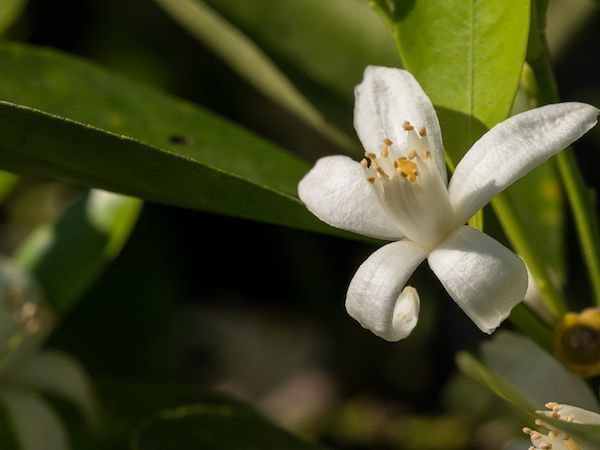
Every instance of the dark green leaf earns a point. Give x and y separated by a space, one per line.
7 182
471 367
158 148
68 256
322 46
9 12
214 427
249 61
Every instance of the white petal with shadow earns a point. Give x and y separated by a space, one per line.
513 148
336 190
482 276
377 297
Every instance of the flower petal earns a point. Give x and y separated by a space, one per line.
384 100
485 278
376 298
512 148
336 190
36 425
60 374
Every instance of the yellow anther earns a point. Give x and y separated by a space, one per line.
364 162
371 179
371 155
422 132
427 155
546 446
407 169
412 154
385 151
388 142
551 405
527 430
407 126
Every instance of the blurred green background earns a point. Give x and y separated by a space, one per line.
257 311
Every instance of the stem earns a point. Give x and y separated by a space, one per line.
550 294
530 324
581 202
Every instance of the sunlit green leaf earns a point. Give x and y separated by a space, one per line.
162 149
468 57
216 427
67 257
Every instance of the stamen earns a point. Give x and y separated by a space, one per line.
371 179
364 162
371 155
412 154
381 172
422 132
527 430
427 155
385 151
407 126
388 142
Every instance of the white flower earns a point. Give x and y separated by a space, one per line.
400 192
556 438
26 371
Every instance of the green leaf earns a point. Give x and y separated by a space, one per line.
101 130
67 257
468 56
7 183
249 61
322 46
471 367
9 12
215 427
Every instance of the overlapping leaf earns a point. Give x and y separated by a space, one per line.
83 124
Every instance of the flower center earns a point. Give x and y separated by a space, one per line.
553 439
557 439
410 188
